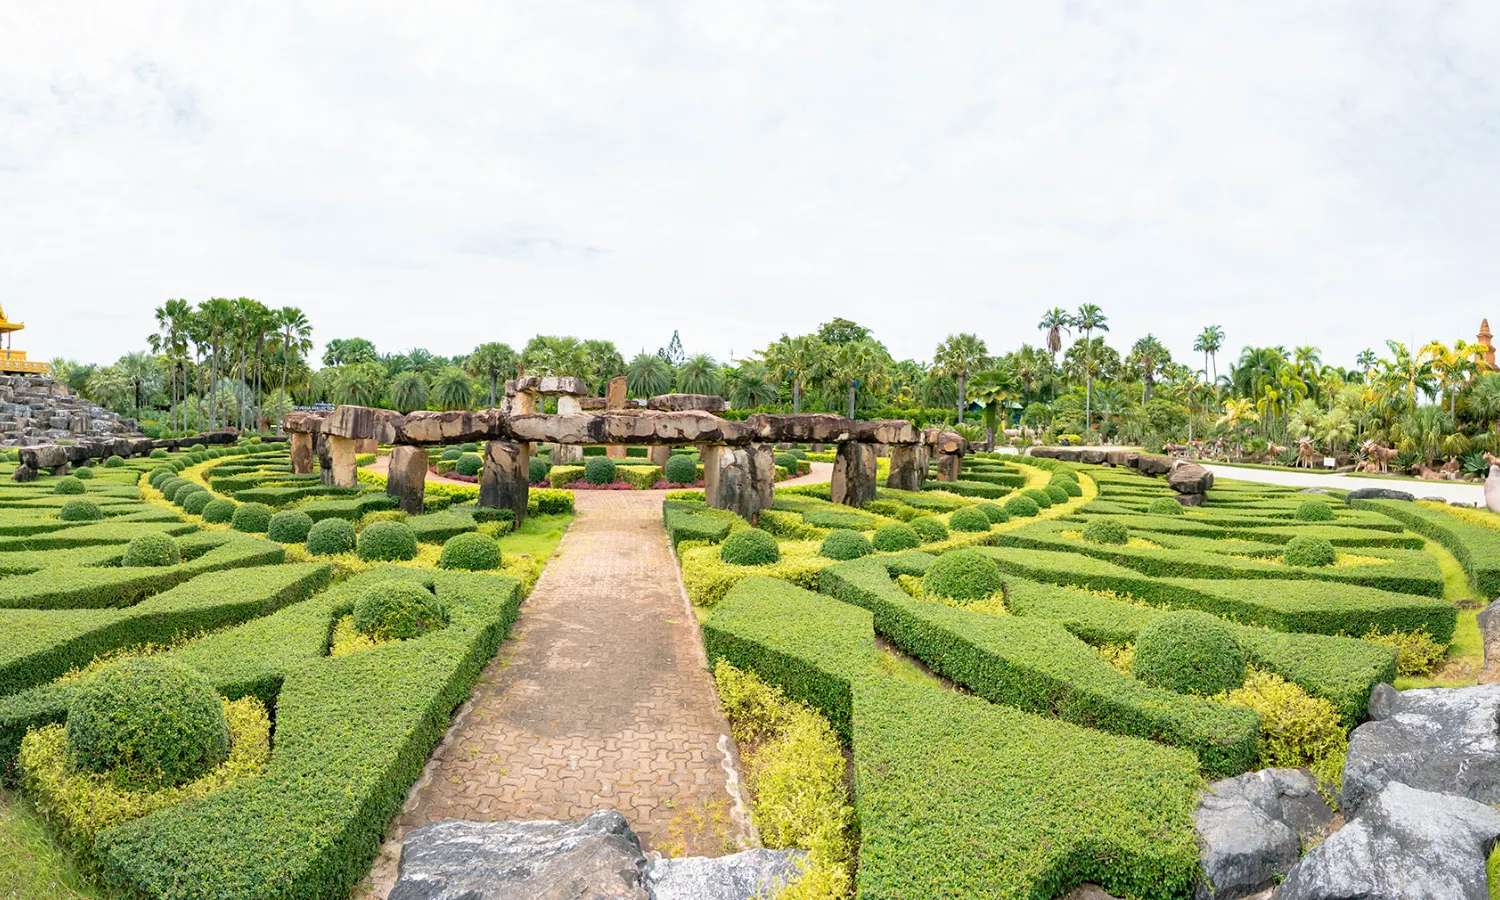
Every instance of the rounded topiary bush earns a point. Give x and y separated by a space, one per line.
159 475
84 473
254 518
114 461
387 541
599 470
994 512
169 486
219 510
929 528
80 510
195 502
1164 506
199 448
1069 486
1305 550
398 610
681 469
1021 507
1057 494
962 575
787 461
68 484
183 493
469 464
1315 511
969 519
896 537
329 536
159 453
451 453
1038 496
1189 652
470 550
749 547
469 447
153 722
152 550
290 526
537 469
845 543
1106 531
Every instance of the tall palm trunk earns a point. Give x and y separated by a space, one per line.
962 398
851 400
796 396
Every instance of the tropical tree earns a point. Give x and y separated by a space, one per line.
859 364
698 374
492 361
1147 357
548 354
295 341
601 362
748 384
648 374
1056 322
795 359
452 389
1407 372
959 356
409 391
1209 342
1090 319
995 389
347 351
358 384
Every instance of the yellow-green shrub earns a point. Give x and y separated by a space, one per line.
1296 729
1416 651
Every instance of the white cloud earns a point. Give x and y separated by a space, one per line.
439 176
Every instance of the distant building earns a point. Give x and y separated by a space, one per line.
1487 341
14 361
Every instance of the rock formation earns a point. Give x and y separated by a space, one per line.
35 409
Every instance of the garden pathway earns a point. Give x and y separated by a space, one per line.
601 698
1448 490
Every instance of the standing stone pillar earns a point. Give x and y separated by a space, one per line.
407 478
302 452
366 445
615 398
523 403
325 458
908 469
709 454
341 451
744 479
853 474
503 482
659 454
948 466
562 454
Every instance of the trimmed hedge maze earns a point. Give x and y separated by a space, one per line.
245 605
1003 742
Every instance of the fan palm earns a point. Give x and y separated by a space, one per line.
959 356
794 359
409 391
648 374
492 361
699 374
1090 319
452 389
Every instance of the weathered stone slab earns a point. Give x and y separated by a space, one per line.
802 428
616 393
1489 629
341 455
301 447
1377 494
639 427
853 481
659 454
1492 486
547 384
941 441
1189 478
365 422
447 427
504 483
908 467
406 480
1252 828
744 479
309 422
687 403
1150 464
885 431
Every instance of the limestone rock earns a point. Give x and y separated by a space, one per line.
908 467
36 409
1154 465
687 403
740 479
949 466
301 451
341 455
853 481
406 480
1489 628
447 427
505 480
1252 828
302 421
1433 739
1376 494
1404 844
813 428
1189 478
885 431
547 384
1093 456
598 857
363 422
739 876
1124 458
616 393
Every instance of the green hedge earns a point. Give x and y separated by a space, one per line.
1476 547
688 521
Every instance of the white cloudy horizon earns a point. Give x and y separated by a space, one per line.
443 176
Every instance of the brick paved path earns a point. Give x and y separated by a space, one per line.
600 698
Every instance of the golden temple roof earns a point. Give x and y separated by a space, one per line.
8 325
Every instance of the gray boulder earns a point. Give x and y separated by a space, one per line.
749 873
1252 828
1405 844
599 857
1189 478
1433 739
1489 627
1377 494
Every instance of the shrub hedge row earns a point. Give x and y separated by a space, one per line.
1477 548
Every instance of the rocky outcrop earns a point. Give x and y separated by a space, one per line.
1189 478
1253 827
504 482
854 468
36 409
1489 631
686 403
1433 739
1404 844
740 479
1376 494
406 479
908 467
749 873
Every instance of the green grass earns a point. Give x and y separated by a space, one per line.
1468 643
32 864
538 536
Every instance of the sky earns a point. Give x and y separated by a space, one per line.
441 175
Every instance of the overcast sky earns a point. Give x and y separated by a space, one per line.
440 176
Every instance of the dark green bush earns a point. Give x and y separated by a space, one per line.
159 475
787 461
537 469
749 547
151 722
387 541
115 461
80 510
84 473
1021 507
469 464
845 543
970 518
1106 531
929 528
962 575
1315 511
68 484
1309 551
171 486
398 611
253 518
451 453
183 493
470 550
1164 506
1069 486
994 512
1038 496
290 526
159 453
194 502
1057 494
152 549
1188 652
893 537
219 510
599 470
330 536
199 448
681 469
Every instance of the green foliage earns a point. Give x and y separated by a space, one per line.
894 537
681 469
1315 511
1164 506
83 473
690 521
1021 506
929 528
537 469
115 461
219 510
1069 485
1296 730
469 464
1416 652
1475 546
1058 494
387 541
252 518
1106 531
964 576
289 526
68 484
749 547
154 723
80 510
1038 496
844 543
970 518
158 453
1189 652
152 550
1308 551
330 536
397 610
472 551
599 470
451 453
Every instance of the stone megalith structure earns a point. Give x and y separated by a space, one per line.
853 474
325 457
740 479
302 452
341 453
504 482
908 467
616 397
407 479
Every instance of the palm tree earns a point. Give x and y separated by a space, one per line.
601 362
749 385
1149 356
492 361
959 356
409 391
296 339
1055 321
862 363
1409 372
995 388
698 374
795 360
172 320
1239 413
452 389
648 374
1090 319
1484 400
139 369
357 384
1208 342
1366 361
346 351
551 355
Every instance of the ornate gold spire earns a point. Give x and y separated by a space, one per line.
1486 340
